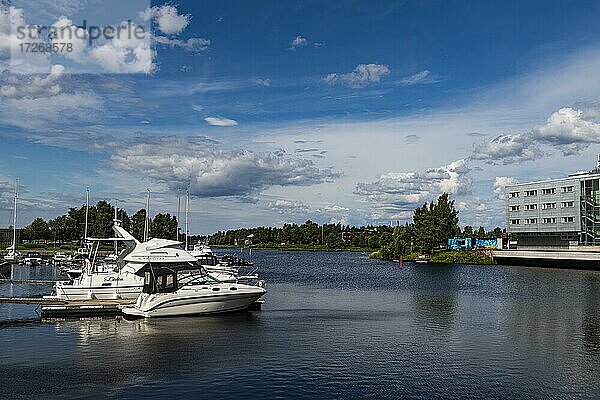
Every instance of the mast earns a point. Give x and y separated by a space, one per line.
178 212
147 222
87 211
116 217
14 245
187 210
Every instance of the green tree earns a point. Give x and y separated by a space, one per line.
37 230
163 226
433 224
138 221
468 231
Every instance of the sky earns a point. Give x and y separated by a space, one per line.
272 112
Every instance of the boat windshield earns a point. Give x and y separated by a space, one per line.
163 279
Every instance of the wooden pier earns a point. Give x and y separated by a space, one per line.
58 308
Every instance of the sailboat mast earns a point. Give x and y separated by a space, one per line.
147 222
187 211
14 245
116 217
87 212
178 212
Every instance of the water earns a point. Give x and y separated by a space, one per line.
335 326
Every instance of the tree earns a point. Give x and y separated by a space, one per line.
37 230
433 224
468 231
163 226
138 221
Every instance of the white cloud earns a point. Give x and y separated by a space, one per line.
298 41
569 129
420 78
198 107
508 149
192 45
167 18
262 82
362 76
402 191
220 121
500 184
283 206
213 172
33 86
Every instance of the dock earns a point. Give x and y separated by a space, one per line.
58 308
576 259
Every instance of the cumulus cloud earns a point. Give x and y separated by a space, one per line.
569 129
167 19
508 149
500 184
213 172
283 206
401 191
298 41
362 76
220 121
33 86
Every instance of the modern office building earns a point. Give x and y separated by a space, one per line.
556 213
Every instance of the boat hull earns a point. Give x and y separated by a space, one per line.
194 302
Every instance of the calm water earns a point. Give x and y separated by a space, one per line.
335 325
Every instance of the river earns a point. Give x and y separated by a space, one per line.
334 325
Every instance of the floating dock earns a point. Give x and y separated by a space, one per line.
58 308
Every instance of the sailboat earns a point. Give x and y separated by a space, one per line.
13 255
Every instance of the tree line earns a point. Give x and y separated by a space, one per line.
70 227
431 227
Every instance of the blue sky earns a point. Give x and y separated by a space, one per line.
274 112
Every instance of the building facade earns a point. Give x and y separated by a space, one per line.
556 213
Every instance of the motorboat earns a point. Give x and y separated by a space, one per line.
104 280
32 258
225 269
187 289
60 258
12 256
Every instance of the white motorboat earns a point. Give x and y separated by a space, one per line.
60 258
185 289
107 280
12 256
32 258
224 270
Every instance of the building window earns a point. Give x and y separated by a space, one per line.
529 193
566 189
514 194
514 208
549 220
567 204
530 207
548 206
568 219
549 191
515 221
531 221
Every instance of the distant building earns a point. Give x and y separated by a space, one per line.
6 236
557 213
